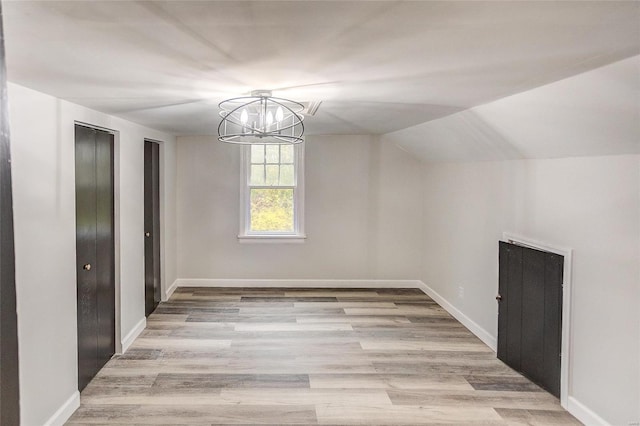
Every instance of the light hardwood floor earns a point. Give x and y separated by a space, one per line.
310 356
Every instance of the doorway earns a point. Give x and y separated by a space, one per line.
152 284
95 250
530 313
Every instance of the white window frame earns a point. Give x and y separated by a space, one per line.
246 235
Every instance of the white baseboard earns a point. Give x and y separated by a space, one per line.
584 414
205 282
60 417
473 326
170 290
131 336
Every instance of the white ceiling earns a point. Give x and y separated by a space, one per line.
595 113
377 66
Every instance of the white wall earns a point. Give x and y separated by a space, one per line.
168 214
42 146
478 184
362 209
589 204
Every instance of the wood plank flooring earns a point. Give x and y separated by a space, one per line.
310 356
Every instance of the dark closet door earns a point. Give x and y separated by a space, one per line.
151 225
94 251
105 249
9 402
86 254
530 313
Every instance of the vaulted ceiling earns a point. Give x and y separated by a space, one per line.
377 66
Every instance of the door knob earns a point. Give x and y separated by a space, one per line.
87 267
498 297
147 234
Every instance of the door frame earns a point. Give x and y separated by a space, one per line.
116 225
163 235
566 347
160 234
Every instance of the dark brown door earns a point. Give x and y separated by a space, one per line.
105 247
94 251
151 226
9 403
530 313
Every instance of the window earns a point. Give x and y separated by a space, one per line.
272 193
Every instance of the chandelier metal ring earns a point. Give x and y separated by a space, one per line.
261 118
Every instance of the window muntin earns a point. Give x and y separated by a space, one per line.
272 165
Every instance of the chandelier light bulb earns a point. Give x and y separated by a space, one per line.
244 117
279 114
269 119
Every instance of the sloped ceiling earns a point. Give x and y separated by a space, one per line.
594 113
378 67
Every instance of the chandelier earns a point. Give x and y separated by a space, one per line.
261 118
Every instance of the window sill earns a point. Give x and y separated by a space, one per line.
279 239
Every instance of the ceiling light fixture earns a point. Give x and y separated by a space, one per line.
261 118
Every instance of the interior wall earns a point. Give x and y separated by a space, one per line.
362 208
43 144
168 213
590 205
490 169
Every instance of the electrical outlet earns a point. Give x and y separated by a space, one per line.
461 292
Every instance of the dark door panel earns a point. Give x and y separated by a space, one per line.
105 250
513 301
503 277
94 251
533 303
86 254
554 268
152 225
156 223
530 313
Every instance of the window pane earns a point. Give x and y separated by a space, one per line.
257 175
273 153
272 175
257 153
272 210
286 175
286 154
